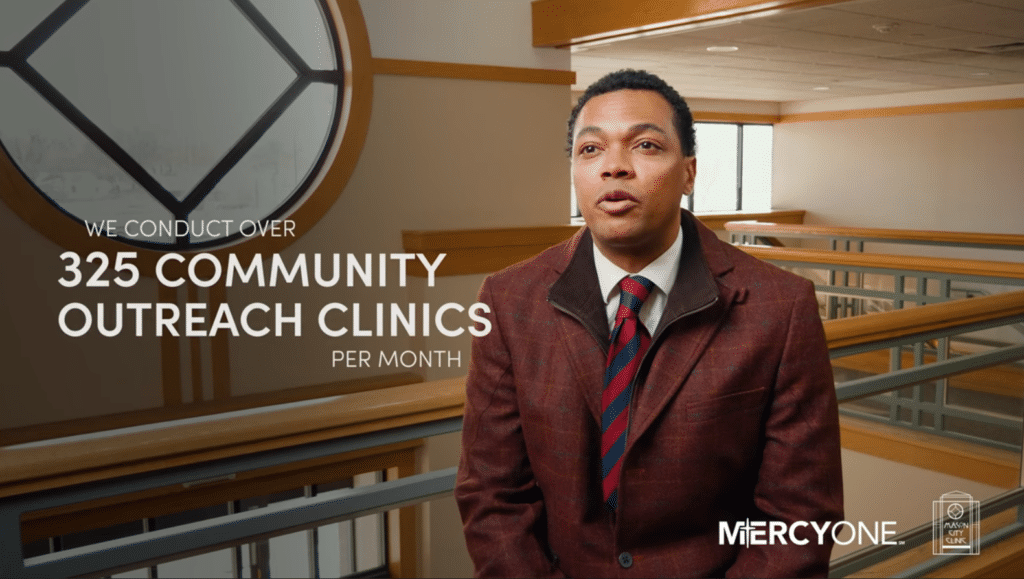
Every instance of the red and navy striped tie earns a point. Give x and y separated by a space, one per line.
629 342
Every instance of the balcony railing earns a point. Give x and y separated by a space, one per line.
108 468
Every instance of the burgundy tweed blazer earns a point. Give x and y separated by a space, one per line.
734 419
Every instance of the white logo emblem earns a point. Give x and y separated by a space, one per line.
956 517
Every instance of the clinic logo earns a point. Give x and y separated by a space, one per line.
956 520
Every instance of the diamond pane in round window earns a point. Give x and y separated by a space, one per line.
186 122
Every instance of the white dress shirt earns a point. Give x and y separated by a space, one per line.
662 271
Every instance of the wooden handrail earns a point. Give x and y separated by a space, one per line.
997 240
65 428
870 328
56 464
981 268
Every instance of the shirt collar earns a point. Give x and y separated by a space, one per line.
662 271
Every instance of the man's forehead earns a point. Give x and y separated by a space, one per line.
625 109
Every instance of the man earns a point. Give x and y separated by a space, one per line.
644 382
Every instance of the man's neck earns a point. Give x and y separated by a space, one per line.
632 262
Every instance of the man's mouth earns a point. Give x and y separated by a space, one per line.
617 202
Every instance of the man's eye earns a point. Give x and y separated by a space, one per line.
648 145
587 149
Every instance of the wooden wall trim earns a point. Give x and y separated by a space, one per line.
884 112
975 462
470 251
561 23
473 251
446 240
871 113
716 117
717 221
472 71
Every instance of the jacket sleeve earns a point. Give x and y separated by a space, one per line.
501 505
800 476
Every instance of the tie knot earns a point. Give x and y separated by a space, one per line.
633 291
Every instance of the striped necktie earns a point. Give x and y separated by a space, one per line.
629 342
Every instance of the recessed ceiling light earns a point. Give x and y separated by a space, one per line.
821 88
723 48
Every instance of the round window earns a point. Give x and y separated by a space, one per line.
177 126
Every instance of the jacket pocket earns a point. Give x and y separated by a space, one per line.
700 410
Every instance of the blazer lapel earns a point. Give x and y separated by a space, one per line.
697 305
672 364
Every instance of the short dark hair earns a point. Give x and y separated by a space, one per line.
629 79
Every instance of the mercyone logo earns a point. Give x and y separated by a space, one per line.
749 532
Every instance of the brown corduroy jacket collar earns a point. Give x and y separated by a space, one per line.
577 291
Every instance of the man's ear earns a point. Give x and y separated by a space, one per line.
691 174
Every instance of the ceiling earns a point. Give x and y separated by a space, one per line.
849 49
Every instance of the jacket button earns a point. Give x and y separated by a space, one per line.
625 559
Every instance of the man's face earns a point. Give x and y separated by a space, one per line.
630 174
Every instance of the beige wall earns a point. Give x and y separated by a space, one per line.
956 171
49 376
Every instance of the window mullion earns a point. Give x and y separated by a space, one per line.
739 167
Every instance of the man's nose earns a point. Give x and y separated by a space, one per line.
617 165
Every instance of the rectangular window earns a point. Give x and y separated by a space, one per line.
717 187
734 168
756 177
